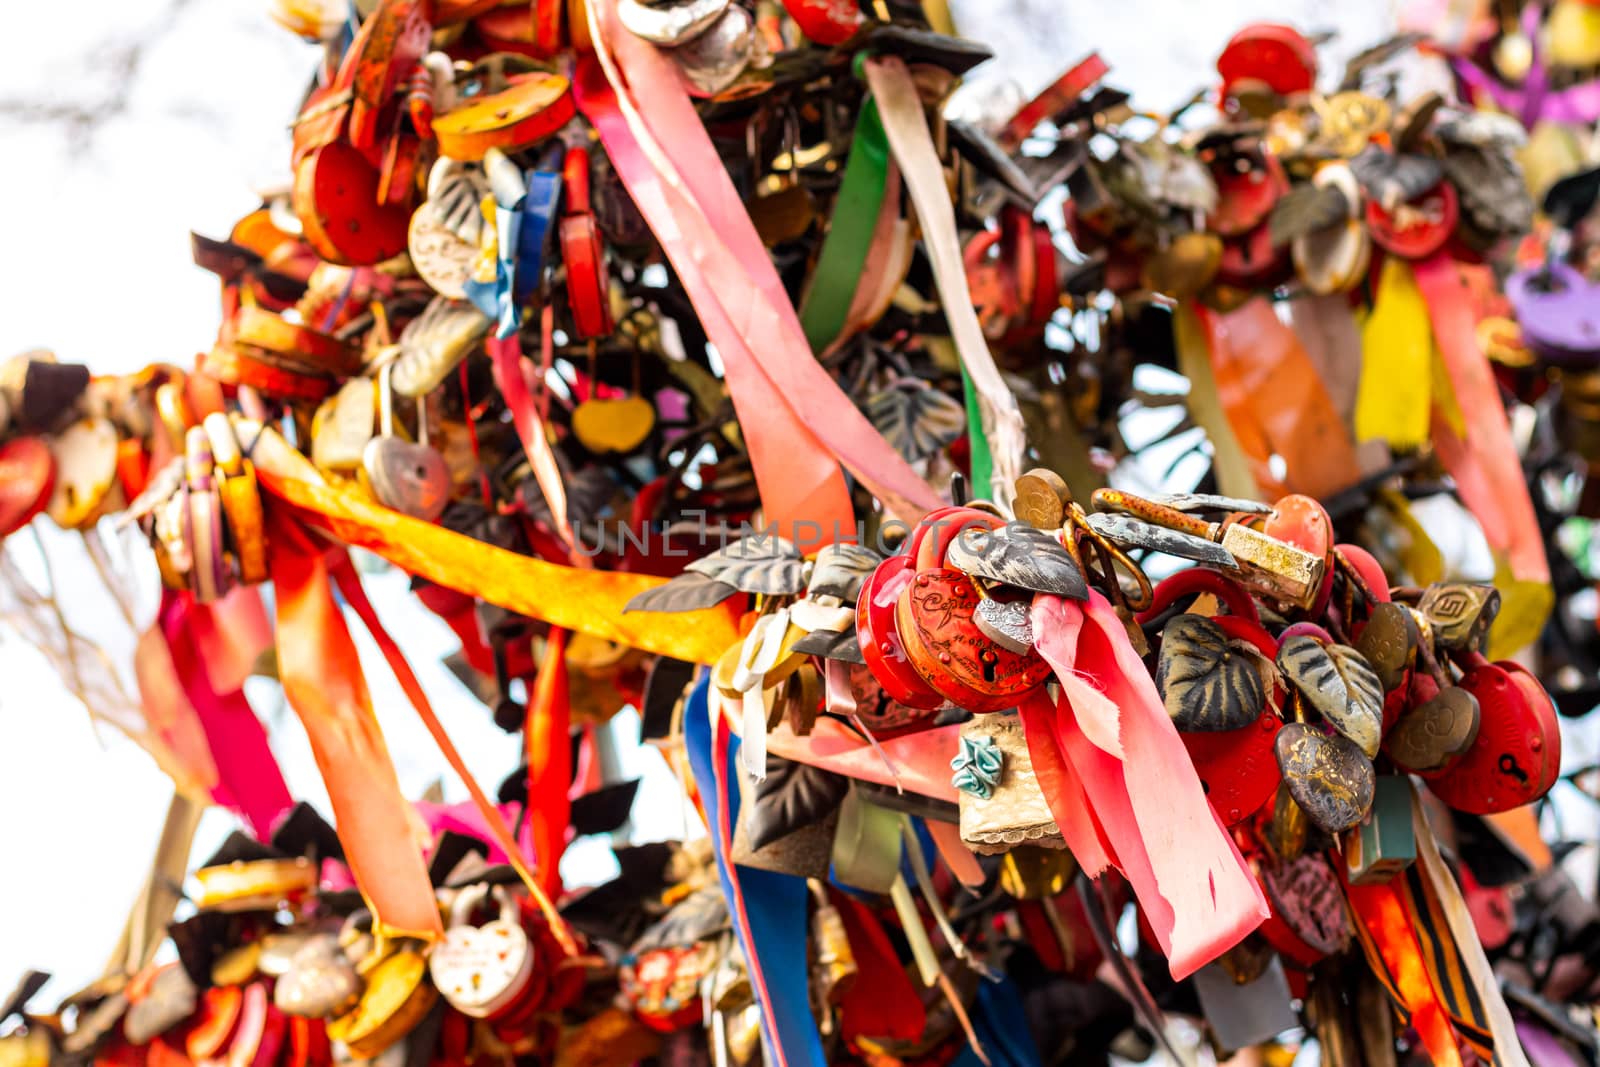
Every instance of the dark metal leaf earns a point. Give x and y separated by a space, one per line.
1492 191
663 687
686 592
1570 200
701 914
830 645
1392 179
1021 556
619 910
1135 533
306 833
918 420
27 988
1206 683
839 571
793 795
763 563
605 809
1340 684
1305 209
990 160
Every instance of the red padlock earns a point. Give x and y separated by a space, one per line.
934 617
1517 751
1308 922
1418 228
27 478
1301 521
1276 56
879 640
583 252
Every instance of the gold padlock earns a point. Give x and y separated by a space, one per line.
1460 613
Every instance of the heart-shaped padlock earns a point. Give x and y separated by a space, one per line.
1437 726
481 970
1327 775
405 476
1309 921
27 480
1265 53
1303 522
1559 312
1237 768
1335 258
934 618
1544 709
1418 228
880 642
1248 184
1508 763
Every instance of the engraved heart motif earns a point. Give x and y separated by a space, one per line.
1430 735
1327 775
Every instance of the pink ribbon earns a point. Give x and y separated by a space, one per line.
1111 730
248 779
793 413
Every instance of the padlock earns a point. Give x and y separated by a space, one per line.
835 963
443 236
714 60
1384 844
318 980
1509 763
1460 614
662 983
583 253
1241 1015
27 481
85 456
1001 803
244 522
879 639
531 108
1308 920
934 618
1388 642
209 577
259 1034
397 997
1327 775
669 25
1206 683
408 477
1418 228
482 970
1439 725
1555 306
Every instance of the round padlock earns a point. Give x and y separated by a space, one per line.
1506 765
1278 57
27 480
934 617
1303 522
1418 228
1248 185
341 216
880 641
1559 312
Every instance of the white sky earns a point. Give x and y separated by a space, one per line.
96 266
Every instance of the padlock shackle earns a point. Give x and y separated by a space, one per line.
1201 580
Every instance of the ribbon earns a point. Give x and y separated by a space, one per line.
1394 397
1482 459
1534 102
906 126
322 681
248 780
1384 932
1192 884
355 594
505 356
548 736
768 909
1276 403
586 601
825 308
1236 466
882 1003
791 410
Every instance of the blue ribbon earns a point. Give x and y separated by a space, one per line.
774 904
1001 1027
522 233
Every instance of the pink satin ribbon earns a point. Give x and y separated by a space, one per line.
248 780
793 413
1192 884
1484 464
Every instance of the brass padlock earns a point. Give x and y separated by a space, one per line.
1460 613
1002 805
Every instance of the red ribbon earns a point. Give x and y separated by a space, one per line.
548 735
1155 824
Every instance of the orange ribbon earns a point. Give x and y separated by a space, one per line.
322 681
1389 935
1277 403
589 601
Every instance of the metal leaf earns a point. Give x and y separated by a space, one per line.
1392 180
759 564
1340 684
1021 556
1135 533
792 795
701 914
830 645
918 420
1305 209
686 592
1206 683
839 571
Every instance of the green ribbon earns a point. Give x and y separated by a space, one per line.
826 305
981 464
